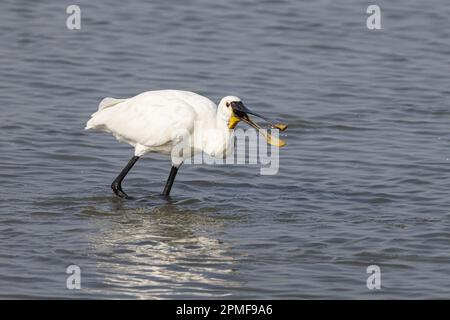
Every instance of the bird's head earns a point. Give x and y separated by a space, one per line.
235 111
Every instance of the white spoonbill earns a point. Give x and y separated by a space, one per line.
161 121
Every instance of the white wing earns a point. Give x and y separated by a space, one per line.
152 118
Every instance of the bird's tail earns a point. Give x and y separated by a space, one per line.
90 124
108 102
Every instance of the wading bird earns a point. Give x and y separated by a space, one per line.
165 120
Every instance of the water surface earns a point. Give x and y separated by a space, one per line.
364 178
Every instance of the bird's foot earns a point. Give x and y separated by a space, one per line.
165 196
117 189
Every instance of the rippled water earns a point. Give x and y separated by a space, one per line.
363 180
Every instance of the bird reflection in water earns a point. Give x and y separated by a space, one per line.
163 251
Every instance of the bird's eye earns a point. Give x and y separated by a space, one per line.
227 104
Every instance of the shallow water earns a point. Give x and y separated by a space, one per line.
364 178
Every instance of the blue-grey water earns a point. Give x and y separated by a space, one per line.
364 178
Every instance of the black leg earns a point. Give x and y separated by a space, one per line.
170 180
116 186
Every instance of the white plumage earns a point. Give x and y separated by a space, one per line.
170 121
155 121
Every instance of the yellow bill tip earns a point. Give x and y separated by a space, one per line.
281 126
275 141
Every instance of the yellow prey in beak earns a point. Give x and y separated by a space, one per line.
240 113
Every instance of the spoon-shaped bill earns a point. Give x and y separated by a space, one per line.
269 138
242 111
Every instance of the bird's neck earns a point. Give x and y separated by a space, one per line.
218 140
222 128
